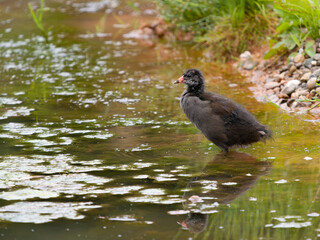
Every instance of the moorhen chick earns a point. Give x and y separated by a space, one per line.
222 121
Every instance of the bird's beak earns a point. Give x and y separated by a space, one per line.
180 80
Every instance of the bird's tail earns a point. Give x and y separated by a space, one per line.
265 134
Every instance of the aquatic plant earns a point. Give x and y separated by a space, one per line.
37 17
300 19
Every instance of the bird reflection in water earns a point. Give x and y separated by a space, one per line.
224 179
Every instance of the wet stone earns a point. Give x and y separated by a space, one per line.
290 87
316 73
273 98
299 58
284 68
292 70
306 76
283 95
271 85
311 84
307 63
298 65
316 57
249 64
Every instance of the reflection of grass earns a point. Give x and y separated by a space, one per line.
37 17
248 219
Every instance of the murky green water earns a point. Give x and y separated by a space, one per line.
94 144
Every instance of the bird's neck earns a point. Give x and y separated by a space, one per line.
196 90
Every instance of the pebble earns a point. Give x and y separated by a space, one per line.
291 86
273 98
299 58
292 70
249 64
306 76
276 90
284 68
303 92
283 95
311 84
270 79
307 63
316 57
271 85
294 95
316 73
314 63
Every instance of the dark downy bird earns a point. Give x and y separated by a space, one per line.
222 121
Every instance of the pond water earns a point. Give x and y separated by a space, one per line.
94 144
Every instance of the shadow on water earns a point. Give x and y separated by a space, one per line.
227 177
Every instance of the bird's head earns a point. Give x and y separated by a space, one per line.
193 78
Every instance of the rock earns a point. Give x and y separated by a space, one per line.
249 64
298 65
294 95
271 85
305 77
307 63
277 78
148 31
311 94
299 58
302 92
318 89
269 92
318 50
281 101
316 57
290 101
314 63
292 70
294 104
297 74
245 56
303 85
316 73
160 30
270 79
273 98
290 87
283 95
282 76
311 84
305 70
284 68
276 90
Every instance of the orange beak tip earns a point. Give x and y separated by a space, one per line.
180 80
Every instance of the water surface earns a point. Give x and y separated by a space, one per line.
95 145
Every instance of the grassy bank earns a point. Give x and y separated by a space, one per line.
229 27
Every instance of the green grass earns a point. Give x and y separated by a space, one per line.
37 16
300 20
227 27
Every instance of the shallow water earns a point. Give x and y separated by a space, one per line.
95 145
